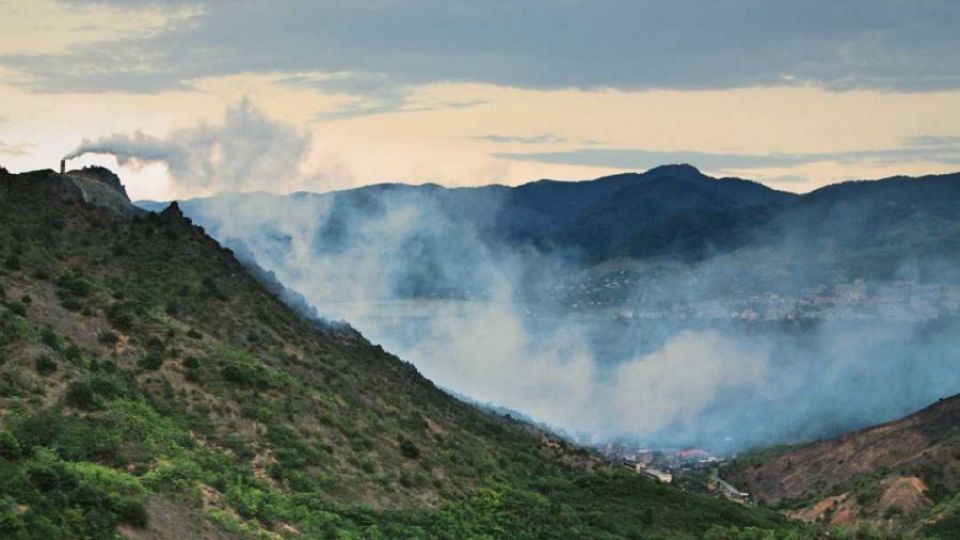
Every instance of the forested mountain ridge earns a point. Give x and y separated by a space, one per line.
871 229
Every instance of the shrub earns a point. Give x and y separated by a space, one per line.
249 375
81 396
74 284
121 315
108 338
154 344
152 361
134 513
107 387
211 289
236 375
408 449
173 308
38 429
51 339
191 362
12 263
193 334
45 365
413 479
9 446
18 307
73 353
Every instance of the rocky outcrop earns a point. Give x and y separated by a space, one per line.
101 187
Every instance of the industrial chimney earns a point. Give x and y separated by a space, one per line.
63 166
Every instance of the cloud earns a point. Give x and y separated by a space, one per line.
366 107
248 151
15 149
369 94
688 44
939 149
934 140
543 138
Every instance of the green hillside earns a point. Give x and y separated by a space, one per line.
150 387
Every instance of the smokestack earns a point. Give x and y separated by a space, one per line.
63 166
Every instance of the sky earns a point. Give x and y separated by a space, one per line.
187 98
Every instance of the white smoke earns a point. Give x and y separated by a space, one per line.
663 382
676 383
484 349
248 151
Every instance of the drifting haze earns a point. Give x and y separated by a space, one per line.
401 275
433 287
665 382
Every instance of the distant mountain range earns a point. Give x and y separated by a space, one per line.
597 218
674 213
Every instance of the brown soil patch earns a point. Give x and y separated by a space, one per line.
906 494
170 521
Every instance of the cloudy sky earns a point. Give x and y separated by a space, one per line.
191 97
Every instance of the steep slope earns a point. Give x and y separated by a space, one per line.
150 385
891 473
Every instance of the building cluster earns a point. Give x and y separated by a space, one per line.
662 465
907 301
668 465
857 300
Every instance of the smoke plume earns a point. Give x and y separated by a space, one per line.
248 151
433 287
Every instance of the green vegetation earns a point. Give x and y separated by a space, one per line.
946 522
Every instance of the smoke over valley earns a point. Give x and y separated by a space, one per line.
667 309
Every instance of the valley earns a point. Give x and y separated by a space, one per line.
152 387
199 393
770 307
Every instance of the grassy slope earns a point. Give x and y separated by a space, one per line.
146 380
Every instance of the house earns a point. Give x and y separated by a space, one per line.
656 474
